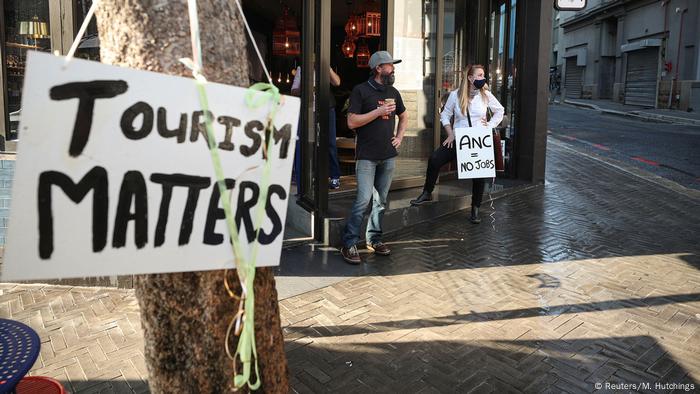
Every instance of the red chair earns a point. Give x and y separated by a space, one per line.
39 384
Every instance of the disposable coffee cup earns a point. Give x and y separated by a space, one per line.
389 101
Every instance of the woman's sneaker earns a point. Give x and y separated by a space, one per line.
334 184
351 255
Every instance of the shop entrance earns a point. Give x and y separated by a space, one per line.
356 33
314 42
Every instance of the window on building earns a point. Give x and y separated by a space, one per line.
26 24
89 47
415 42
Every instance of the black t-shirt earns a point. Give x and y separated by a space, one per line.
374 138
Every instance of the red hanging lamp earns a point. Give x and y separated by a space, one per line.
286 38
363 55
351 27
372 24
370 20
348 48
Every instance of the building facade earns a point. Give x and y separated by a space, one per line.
435 38
637 52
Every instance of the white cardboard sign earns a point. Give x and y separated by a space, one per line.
475 158
114 174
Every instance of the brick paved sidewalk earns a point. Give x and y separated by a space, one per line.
91 338
594 278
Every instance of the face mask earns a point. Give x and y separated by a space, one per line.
388 79
479 83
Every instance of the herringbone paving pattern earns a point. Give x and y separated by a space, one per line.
593 279
563 326
91 338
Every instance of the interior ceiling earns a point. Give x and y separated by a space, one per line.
272 9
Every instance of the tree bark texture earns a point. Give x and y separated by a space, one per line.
185 315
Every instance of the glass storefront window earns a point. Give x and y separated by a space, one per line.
454 44
27 28
415 34
502 71
89 47
496 53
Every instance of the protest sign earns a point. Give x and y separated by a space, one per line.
475 157
114 175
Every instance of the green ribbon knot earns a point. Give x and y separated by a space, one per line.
256 96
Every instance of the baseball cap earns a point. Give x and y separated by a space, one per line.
381 57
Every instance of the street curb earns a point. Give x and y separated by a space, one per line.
636 114
580 104
339 222
668 118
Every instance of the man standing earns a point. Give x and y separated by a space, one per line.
373 106
334 169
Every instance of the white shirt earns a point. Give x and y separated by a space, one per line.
477 110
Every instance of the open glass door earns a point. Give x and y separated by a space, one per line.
502 71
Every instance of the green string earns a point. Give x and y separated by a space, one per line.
257 95
255 100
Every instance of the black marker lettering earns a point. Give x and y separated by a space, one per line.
244 207
266 239
180 132
285 133
462 142
133 189
250 128
199 125
128 117
95 180
230 123
194 184
86 93
215 214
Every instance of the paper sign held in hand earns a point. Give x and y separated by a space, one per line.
114 175
475 157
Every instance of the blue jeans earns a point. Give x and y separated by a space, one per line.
334 166
373 181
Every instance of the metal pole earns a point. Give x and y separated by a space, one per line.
678 52
439 65
323 93
5 125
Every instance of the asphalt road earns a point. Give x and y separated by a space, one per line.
667 150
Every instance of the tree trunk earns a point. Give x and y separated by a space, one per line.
185 315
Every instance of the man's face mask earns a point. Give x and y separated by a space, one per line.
387 78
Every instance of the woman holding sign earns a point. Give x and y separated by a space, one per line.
467 106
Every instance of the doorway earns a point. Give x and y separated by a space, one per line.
356 33
304 40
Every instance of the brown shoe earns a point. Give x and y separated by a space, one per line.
379 248
351 255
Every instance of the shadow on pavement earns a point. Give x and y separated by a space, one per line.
574 365
441 321
586 210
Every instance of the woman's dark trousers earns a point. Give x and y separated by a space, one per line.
439 158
